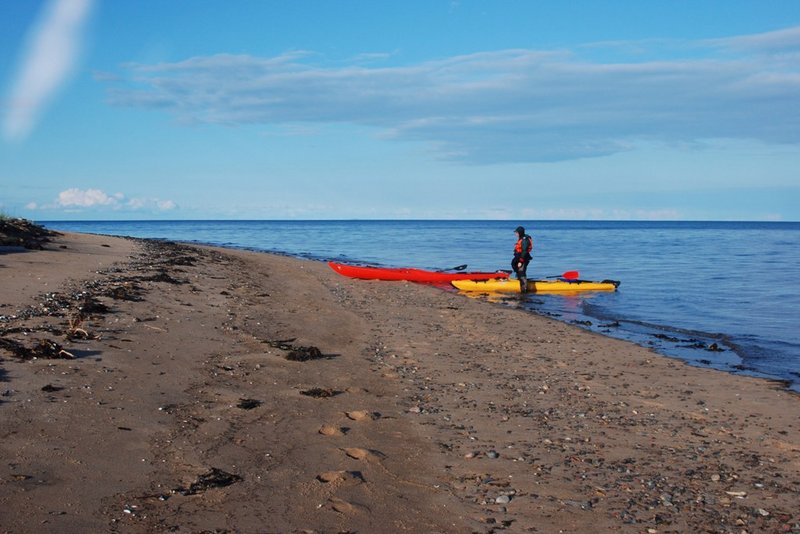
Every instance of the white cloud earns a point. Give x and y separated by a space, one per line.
502 106
96 199
608 214
787 39
136 203
76 198
153 204
49 58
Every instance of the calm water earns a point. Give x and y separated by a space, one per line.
685 285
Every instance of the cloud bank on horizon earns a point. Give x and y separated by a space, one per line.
52 52
505 106
76 200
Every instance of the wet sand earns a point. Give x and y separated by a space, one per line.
153 387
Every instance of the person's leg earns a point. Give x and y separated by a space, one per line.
522 274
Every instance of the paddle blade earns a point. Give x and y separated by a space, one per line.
571 275
456 268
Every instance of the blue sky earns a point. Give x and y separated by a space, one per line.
212 109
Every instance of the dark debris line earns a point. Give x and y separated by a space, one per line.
81 303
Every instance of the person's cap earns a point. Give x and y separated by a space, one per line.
520 230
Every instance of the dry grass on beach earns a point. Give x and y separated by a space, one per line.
157 387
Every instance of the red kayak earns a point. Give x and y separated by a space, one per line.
408 274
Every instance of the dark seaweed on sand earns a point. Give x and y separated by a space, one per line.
215 478
248 404
44 348
321 393
304 354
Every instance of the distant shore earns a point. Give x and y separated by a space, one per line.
152 386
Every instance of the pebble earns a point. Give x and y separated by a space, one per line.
503 499
493 454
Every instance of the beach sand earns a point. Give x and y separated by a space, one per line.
154 387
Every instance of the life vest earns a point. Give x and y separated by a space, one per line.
524 245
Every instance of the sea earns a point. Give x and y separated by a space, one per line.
724 295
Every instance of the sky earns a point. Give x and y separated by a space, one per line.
412 109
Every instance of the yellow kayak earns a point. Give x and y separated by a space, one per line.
511 285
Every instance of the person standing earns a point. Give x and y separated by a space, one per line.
522 256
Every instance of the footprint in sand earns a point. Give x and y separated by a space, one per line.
362 415
344 507
358 453
330 430
331 476
338 476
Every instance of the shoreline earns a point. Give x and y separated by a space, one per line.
731 349
694 348
403 407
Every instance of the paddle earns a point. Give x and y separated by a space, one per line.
568 275
456 268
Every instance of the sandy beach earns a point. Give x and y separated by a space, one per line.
156 387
